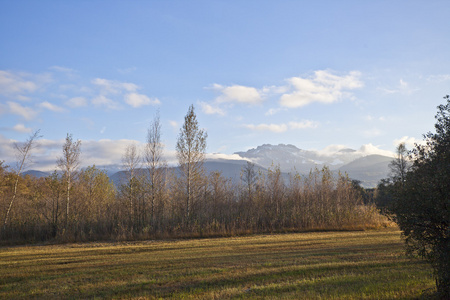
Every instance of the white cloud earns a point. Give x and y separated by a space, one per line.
21 128
211 110
332 149
277 128
3 108
114 87
137 100
26 112
52 107
174 124
371 118
402 87
105 151
231 95
76 102
65 70
7 152
282 127
238 94
224 156
439 78
15 83
369 149
273 111
102 152
36 157
364 150
275 89
323 87
409 141
303 125
106 102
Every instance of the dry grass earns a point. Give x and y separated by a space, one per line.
325 265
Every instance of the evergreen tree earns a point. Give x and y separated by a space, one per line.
422 206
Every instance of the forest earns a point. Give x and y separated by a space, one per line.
155 201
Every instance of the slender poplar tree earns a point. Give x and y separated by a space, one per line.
155 165
191 147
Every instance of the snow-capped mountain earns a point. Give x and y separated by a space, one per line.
289 157
365 164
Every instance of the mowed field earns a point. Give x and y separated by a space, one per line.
321 265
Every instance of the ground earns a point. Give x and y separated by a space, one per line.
321 265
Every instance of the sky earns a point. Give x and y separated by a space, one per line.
315 74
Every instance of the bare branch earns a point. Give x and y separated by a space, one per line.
23 157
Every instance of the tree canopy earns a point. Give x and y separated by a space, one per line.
422 205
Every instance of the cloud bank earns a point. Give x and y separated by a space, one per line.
322 87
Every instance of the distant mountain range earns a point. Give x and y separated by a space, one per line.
289 157
358 164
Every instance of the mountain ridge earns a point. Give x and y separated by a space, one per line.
367 168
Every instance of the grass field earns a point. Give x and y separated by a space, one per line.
324 265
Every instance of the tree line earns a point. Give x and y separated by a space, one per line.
154 201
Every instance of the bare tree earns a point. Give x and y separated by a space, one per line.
131 161
275 192
52 208
23 157
400 165
191 147
219 190
155 164
69 163
249 177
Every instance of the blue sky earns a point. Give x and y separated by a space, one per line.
307 73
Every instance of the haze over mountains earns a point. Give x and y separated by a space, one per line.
361 164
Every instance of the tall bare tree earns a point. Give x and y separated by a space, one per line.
69 163
131 161
23 158
191 147
155 165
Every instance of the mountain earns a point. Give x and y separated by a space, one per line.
35 173
109 169
359 164
290 158
368 169
229 169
